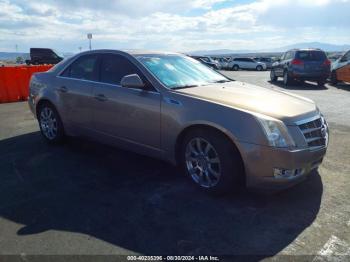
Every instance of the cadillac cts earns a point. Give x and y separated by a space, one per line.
166 105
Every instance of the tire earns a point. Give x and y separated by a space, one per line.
235 68
321 83
286 79
50 124
273 76
218 170
334 79
259 68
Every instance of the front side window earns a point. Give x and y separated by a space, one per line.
84 68
115 67
176 71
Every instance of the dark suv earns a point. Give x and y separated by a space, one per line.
39 56
301 65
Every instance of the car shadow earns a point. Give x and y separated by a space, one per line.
142 204
343 86
299 86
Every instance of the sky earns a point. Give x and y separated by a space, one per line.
173 25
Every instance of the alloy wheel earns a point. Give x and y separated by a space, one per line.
203 162
48 123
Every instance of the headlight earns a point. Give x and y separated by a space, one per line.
276 132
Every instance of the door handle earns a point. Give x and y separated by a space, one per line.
62 89
101 97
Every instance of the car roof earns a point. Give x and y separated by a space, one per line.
306 49
130 52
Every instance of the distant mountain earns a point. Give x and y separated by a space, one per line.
218 52
12 56
324 46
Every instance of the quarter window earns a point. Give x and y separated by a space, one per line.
84 68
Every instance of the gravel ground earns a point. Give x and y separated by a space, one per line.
85 198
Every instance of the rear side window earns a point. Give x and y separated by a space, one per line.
115 67
311 55
84 68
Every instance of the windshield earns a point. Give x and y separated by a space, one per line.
176 71
60 54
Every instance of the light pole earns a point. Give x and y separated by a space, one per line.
89 36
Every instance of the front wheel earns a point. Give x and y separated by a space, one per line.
50 124
235 68
259 68
273 76
211 161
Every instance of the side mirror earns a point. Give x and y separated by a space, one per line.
132 81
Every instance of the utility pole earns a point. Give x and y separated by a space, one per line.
16 46
89 36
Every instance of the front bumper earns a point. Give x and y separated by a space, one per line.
32 104
260 162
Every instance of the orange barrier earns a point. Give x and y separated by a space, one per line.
14 81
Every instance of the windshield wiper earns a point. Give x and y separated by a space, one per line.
222 81
184 86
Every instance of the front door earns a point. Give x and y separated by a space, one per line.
128 114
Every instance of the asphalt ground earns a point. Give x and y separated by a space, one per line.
84 198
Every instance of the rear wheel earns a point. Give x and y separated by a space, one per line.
235 68
50 123
321 83
273 76
286 79
211 161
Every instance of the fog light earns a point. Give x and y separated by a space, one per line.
287 173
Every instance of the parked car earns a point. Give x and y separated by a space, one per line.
266 60
208 61
341 69
224 62
39 56
301 65
246 63
169 106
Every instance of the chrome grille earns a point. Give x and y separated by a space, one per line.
315 132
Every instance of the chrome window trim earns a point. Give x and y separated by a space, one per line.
113 85
59 74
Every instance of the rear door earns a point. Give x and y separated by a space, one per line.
250 63
75 88
343 70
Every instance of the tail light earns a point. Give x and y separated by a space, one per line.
327 62
297 62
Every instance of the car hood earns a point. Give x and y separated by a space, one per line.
270 102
